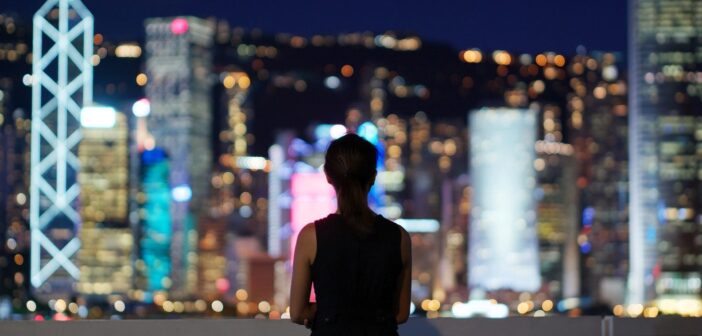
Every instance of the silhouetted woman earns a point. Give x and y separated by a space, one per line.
358 261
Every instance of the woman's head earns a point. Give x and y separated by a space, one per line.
350 167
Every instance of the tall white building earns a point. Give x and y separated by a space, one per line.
503 242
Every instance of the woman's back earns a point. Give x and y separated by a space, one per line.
355 277
359 263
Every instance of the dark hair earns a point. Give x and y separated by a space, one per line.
350 167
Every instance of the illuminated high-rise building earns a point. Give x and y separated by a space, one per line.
598 132
556 212
503 247
154 261
665 133
178 66
14 158
105 259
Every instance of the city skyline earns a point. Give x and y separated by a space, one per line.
575 173
520 26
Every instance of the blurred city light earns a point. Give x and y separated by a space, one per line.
182 193
141 108
570 189
503 248
98 117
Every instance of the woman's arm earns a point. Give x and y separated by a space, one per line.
301 310
405 278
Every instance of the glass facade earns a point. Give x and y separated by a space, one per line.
666 137
178 64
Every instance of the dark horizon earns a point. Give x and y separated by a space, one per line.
516 26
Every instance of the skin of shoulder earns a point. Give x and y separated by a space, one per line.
308 242
301 310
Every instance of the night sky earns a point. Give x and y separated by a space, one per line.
514 25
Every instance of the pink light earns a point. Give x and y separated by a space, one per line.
313 198
311 184
61 317
179 26
39 318
222 285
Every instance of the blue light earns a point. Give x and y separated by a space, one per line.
585 247
157 232
153 156
369 132
588 216
332 82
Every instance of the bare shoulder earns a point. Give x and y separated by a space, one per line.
308 233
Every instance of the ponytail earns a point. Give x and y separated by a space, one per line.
353 206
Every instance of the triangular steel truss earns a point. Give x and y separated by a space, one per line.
56 132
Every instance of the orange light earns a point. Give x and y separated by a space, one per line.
244 82
471 56
541 59
502 57
559 60
347 70
142 79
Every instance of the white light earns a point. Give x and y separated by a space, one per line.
610 72
182 193
412 308
141 108
11 244
27 80
568 304
119 306
484 308
21 198
251 162
31 305
332 82
337 131
98 117
217 306
419 225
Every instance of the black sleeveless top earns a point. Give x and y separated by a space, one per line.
355 278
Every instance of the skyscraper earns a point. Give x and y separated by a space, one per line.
665 174
503 248
14 158
598 131
178 65
105 257
556 209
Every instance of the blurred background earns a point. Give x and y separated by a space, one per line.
158 158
